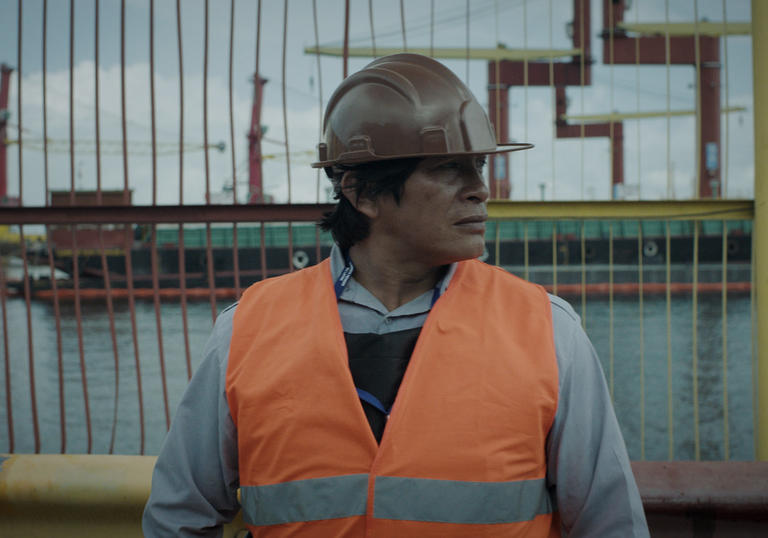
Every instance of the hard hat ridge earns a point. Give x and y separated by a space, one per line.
404 106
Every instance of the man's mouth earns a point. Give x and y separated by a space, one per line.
473 224
472 219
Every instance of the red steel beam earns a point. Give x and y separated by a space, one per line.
498 108
709 105
727 488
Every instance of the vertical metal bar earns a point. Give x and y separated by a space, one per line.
640 279
205 104
182 252
754 357
695 342
583 276
724 301
526 255
54 285
668 298
104 265
637 106
7 362
320 104
613 192
23 244
554 257
96 99
209 269
208 249
402 25
79 325
432 29
152 98
552 107
153 245
128 257
370 19
231 99
611 356
724 188
285 128
760 228
466 47
525 98
319 78
113 335
667 61
346 37
582 126
235 249
75 253
697 65
262 252
159 324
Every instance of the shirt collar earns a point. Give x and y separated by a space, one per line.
354 292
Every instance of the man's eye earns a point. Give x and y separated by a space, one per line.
480 163
449 165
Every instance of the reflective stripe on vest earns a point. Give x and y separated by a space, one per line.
412 499
305 500
464 444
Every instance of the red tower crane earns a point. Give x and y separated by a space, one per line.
701 51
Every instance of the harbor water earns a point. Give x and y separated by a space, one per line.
620 355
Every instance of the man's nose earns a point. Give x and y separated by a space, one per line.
476 189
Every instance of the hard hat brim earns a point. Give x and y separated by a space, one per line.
367 157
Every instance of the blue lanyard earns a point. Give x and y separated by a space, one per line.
339 286
341 282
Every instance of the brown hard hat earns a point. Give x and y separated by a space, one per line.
400 106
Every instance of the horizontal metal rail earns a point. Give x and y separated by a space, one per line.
497 209
164 214
621 210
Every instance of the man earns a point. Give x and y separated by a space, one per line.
400 388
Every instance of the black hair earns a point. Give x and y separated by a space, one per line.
348 225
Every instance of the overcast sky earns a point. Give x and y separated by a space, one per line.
569 169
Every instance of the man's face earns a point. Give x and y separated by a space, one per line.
441 215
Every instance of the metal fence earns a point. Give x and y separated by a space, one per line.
126 228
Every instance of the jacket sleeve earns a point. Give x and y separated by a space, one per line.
587 463
195 480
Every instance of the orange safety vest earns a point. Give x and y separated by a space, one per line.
463 453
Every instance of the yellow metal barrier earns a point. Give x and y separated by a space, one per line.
60 495
760 237
76 495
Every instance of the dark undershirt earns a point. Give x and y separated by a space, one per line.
378 363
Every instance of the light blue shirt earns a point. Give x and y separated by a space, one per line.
195 481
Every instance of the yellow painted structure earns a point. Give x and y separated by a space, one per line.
77 495
760 235
702 209
702 28
458 53
620 116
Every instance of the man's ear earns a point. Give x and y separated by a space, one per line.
362 203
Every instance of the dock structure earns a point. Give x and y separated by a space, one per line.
110 271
